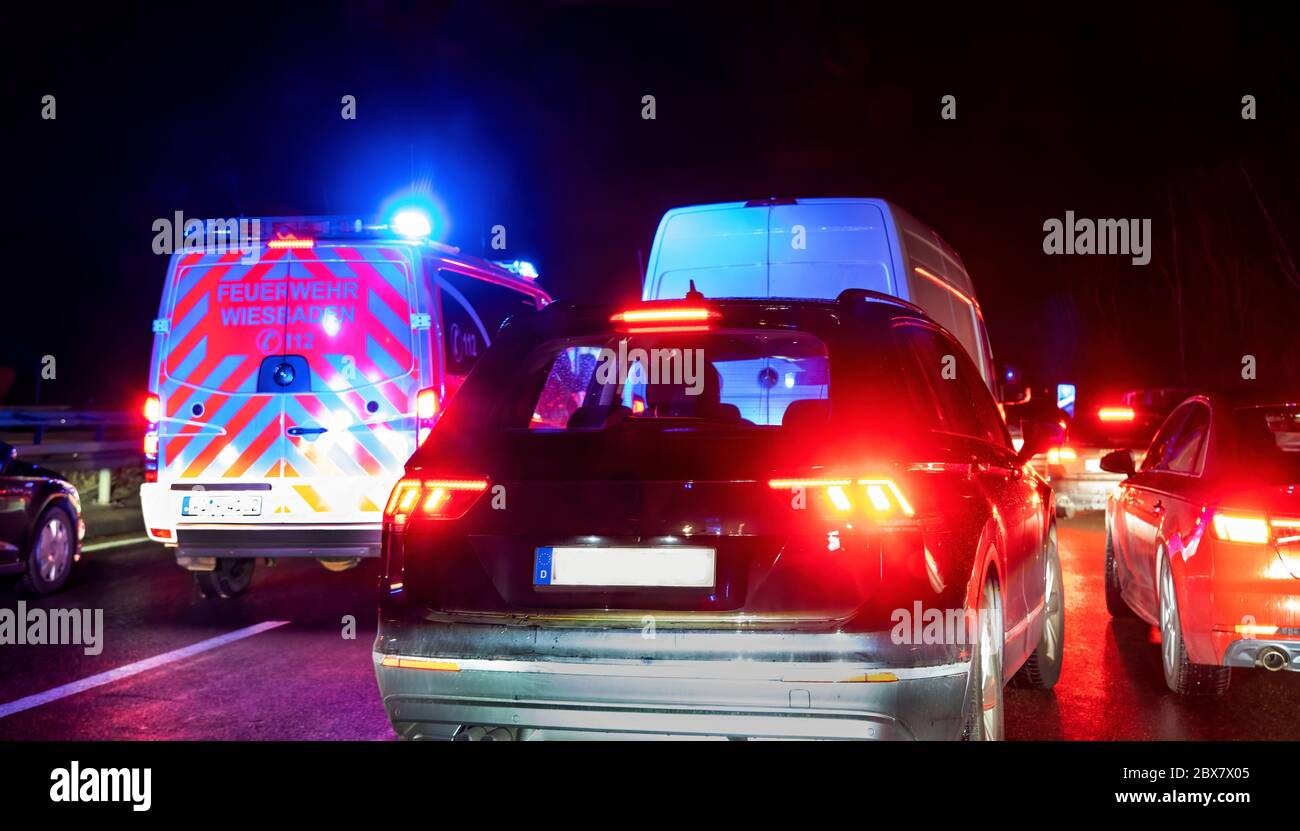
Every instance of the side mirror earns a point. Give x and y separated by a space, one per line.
1119 461
1012 388
1038 436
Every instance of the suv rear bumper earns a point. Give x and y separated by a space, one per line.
566 681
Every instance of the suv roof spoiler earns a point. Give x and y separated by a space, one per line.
849 295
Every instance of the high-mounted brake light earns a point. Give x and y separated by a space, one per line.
426 412
883 496
1116 414
433 498
290 242
1238 528
678 319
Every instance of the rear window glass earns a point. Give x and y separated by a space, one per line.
345 311
1268 442
736 378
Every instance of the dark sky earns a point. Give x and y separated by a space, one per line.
530 116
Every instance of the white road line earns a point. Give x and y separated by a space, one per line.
100 546
134 669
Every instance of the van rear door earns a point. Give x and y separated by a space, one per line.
327 437
217 425
814 249
819 249
350 428
723 248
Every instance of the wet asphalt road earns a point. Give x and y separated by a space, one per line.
304 680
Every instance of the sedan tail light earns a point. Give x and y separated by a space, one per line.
1240 528
433 498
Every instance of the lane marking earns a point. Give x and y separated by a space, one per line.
134 669
100 546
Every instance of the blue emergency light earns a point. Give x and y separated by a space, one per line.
412 223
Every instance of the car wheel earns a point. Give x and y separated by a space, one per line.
1183 676
229 579
984 710
1115 602
1043 669
52 552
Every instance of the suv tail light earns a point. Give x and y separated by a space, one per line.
876 498
432 498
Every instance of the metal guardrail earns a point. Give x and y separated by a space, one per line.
38 420
65 439
83 455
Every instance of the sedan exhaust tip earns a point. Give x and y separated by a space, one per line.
1272 659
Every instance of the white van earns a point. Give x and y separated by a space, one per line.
290 383
817 248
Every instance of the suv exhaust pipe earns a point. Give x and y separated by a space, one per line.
1272 659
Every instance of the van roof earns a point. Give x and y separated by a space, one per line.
731 241
354 229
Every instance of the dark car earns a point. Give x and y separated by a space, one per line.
1203 538
731 518
40 524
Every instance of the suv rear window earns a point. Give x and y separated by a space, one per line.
745 379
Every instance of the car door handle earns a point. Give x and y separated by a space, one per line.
1158 508
307 431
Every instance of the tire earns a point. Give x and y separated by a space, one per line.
1115 602
984 710
51 552
1043 669
1181 675
228 580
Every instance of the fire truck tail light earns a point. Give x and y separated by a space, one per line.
426 411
